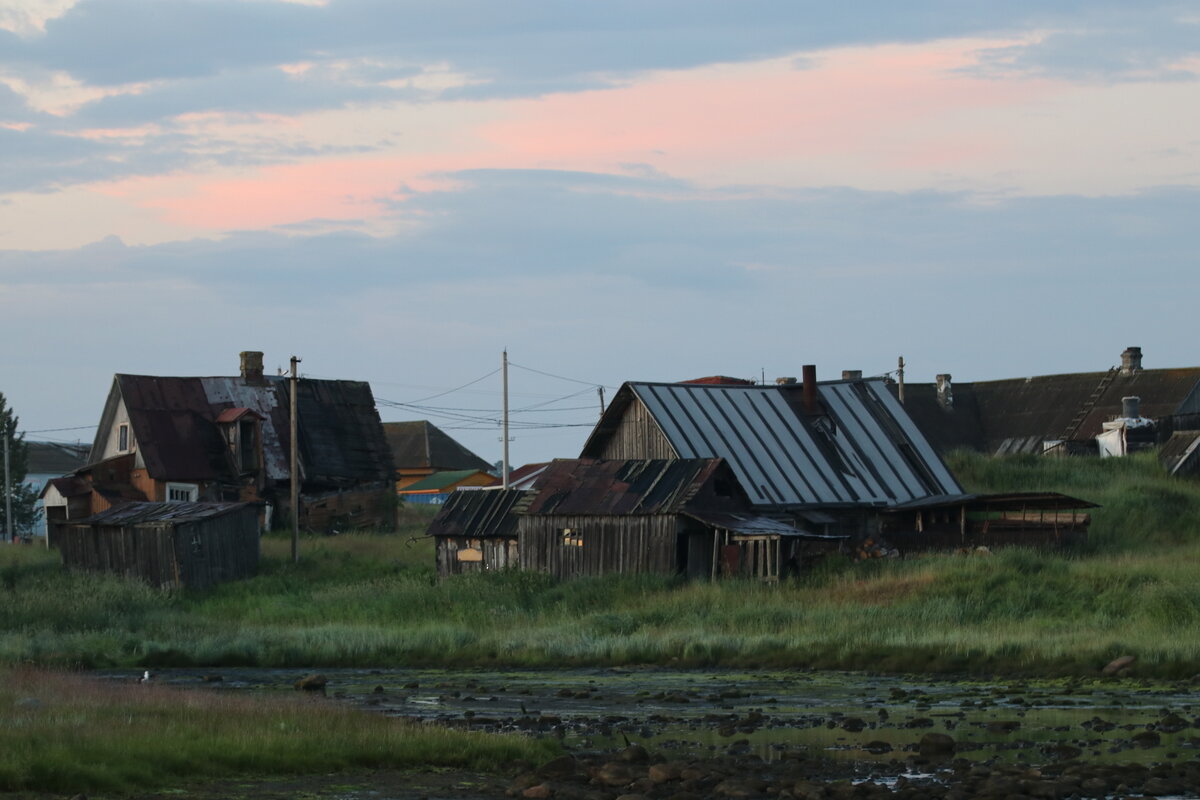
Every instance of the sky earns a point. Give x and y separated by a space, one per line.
397 191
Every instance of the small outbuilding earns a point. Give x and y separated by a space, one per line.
168 545
476 531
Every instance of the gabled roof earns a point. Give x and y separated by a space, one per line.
480 514
526 477
621 486
174 421
1180 453
860 449
422 445
441 481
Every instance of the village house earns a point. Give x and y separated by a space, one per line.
45 461
227 439
421 449
720 477
1110 412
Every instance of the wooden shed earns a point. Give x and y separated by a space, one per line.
169 545
476 530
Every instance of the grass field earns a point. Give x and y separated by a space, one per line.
373 600
66 733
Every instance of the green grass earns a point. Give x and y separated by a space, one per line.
66 733
373 600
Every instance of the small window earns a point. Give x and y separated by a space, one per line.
123 438
572 537
182 492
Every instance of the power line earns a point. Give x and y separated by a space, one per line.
56 430
560 377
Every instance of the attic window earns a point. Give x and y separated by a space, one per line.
123 438
572 537
182 492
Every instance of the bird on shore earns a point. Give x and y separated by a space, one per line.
146 676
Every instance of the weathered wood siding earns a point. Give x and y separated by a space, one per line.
637 436
373 507
617 544
195 554
460 554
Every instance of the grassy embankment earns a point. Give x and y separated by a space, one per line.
66 733
373 600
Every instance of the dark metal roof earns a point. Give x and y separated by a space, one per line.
1016 415
68 486
422 445
175 427
140 513
1005 501
755 525
861 450
54 458
634 486
481 514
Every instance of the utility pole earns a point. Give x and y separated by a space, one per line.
295 467
900 379
600 389
504 432
8 520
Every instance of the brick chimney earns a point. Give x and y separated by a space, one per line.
1131 360
252 366
945 392
809 374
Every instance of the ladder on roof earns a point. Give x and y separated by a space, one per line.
1090 404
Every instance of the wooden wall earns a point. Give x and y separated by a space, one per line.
618 544
637 436
460 554
197 554
373 507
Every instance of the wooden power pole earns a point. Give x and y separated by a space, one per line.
8 520
294 472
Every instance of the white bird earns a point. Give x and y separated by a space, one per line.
145 677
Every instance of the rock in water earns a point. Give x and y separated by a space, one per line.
312 683
936 744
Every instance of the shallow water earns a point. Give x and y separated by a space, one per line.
767 713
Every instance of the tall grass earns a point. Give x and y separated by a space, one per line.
65 733
373 600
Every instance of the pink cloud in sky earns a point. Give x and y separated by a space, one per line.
882 108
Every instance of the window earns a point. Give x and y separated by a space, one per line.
572 537
123 438
182 492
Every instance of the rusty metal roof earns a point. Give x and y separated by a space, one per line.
422 445
481 514
633 486
861 449
175 419
141 513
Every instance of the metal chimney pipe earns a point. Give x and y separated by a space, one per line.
809 371
1131 407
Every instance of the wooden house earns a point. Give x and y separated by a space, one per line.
168 545
219 439
665 516
421 449
436 488
837 457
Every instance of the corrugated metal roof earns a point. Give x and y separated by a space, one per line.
264 400
54 458
633 486
755 525
480 514
863 451
138 513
